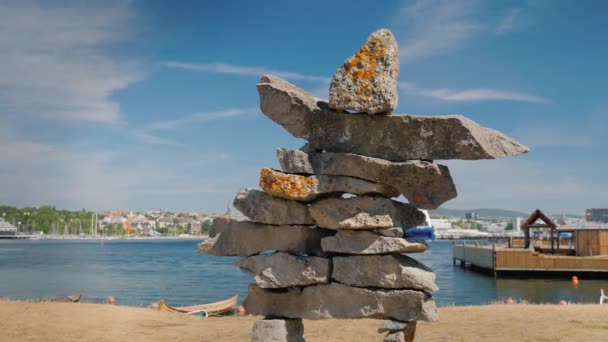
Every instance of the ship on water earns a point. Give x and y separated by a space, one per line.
425 231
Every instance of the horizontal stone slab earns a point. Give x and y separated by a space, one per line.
384 271
424 184
390 232
278 330
366 242
280 270
261 207
245 238
363 212
307 188
336 300
392 326
390 137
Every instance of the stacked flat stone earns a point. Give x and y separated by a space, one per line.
325 239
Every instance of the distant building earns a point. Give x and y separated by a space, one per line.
196 228
492 227
140 222
7 229
597 215
471 215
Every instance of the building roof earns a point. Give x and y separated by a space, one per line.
6 227
586 225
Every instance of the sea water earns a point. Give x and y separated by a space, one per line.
139 272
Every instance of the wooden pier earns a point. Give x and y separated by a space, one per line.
504 260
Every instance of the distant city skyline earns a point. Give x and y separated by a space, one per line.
149 104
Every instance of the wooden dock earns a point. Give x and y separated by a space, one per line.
505 260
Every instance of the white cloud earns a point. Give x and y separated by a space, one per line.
429 27
522 184
222 68
96 178
509 22
54 61
470 95
146 131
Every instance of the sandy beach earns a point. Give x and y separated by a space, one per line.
26 321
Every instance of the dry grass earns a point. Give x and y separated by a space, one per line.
23 321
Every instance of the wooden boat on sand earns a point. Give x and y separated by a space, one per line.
75 298
211 309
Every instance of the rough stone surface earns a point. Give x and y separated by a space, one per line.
424 184
396 336
308 188
281 270
364 213
367 81
391 232
278 330
336 300
366 242
391 325
245 238
390 137
384 271
260 207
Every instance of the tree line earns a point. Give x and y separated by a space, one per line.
48 219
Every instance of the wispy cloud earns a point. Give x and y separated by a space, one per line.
430 27
146 132
55 62
427 28
222 68
523 184
509 22
470 95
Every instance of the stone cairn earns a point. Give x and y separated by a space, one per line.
316 253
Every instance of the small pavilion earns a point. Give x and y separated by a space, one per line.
531 223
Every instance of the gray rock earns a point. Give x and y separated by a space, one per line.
395 336
384 271
278 330
260 207
245 238
308 188
392 325
364 213
390 137
424 184
366 242
281 270
367 81
391 232
334 300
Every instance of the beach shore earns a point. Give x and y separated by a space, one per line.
27 321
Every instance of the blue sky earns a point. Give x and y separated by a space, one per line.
148 104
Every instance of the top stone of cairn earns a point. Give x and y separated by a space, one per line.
367 81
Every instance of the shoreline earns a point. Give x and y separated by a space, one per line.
30 321
108 238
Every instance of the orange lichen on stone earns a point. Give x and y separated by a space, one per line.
287 185
362 66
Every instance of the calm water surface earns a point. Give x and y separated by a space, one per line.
138 272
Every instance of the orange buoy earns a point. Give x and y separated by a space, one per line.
154 306
562 302
574 280
509 301
111 300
